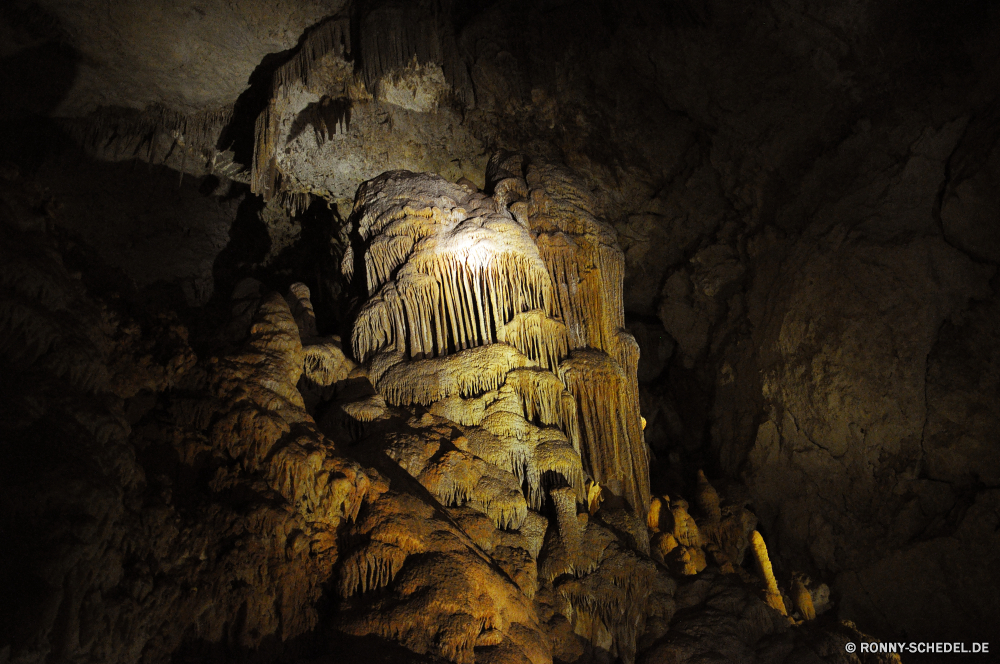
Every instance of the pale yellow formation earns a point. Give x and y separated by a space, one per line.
587 270
686 552
544 398
450 597
609 423
300 303
594 497
444 278
368 409
543 339
773 595
654 516
458 479
461 315
529 452
466 374
324 363
802 598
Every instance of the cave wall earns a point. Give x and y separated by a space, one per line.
805 197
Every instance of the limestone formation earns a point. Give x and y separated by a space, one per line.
708 499
772 594
249 413
803 599
461 316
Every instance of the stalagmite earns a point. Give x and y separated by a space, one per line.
802 598
594 497
685 529
773 595
513 330
569 525
655 518
300 303
611 441
708 499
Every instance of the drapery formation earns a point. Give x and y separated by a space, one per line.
504 315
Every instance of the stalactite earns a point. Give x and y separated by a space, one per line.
329 37
544 397
264 174
371 568
294 202
395 35
327 117
378 327
594 497
116 134
611 449
460 319
543 339
450 276
510 454
468 373
531 453
467 412
499 497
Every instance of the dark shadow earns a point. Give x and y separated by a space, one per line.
313 648
248 244
240 134
35 80
326 117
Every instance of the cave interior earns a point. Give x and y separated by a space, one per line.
499 331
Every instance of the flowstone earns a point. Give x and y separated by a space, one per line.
488 320
504 315
496 390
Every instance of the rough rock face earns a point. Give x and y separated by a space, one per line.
804 198
213 511
133 54
219 516
844 411
845 330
